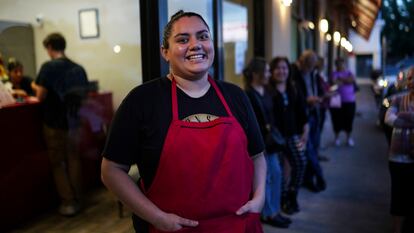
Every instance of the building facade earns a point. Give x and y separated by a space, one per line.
124 52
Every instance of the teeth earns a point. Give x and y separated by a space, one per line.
193 57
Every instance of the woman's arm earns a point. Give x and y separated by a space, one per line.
116 179
255 205
399 120
407 116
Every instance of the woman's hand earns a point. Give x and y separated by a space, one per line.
303 141
252 206
313 100
19 93
255 205
171 222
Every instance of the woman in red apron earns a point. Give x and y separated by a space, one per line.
209 172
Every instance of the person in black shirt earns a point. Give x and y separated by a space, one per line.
61 86
22 85
256 76
195 141
292 120
307 83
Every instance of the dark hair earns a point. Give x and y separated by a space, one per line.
168 28
273 65
56 41
276 60
13 64
339 60
256 65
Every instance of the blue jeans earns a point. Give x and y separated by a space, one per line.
273 186
312 147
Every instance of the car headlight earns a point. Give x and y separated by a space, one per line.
382 82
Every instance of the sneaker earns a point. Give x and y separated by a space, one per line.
351 142
284 218
337 142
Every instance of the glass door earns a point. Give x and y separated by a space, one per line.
237 38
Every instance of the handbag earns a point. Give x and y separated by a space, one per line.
273 139
335 101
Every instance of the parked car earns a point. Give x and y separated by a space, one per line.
381 81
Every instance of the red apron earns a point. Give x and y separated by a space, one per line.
205 173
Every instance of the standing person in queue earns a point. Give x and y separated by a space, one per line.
195 140
400 116
290 117
308 84
256 76
61 86
343 117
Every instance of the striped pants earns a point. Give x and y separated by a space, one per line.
297 161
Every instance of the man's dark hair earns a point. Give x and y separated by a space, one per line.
174 18
56 42
13 64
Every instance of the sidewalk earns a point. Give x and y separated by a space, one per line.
358 184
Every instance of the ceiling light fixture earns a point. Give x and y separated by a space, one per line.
286 2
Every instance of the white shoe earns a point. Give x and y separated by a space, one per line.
351 142
337 142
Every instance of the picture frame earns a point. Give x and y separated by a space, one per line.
89 23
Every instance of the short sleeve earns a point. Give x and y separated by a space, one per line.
121 145
43 76
247 119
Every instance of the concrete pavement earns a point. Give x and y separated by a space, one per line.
357 196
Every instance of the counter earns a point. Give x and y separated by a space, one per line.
26 183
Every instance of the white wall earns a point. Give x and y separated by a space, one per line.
278 34
371 46
119 23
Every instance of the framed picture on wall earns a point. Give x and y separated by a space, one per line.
88 23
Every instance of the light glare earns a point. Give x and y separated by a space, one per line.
337 37
117 49
324 25
287 2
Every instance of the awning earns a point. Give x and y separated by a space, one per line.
365 13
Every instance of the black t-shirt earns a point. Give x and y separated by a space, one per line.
289 112
62 78
263 110
141 123
26 85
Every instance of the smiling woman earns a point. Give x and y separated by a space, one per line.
191 53
195 140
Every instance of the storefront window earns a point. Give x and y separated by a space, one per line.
237 39
202 7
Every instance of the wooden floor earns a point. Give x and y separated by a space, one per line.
99 215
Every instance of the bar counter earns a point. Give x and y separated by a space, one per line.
26 184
